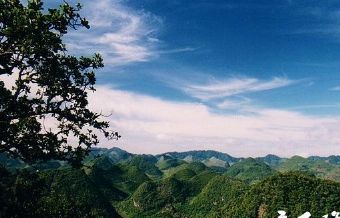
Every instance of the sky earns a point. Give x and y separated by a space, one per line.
244 77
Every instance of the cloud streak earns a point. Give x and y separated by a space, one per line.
235 86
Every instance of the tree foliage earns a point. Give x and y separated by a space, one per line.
50 85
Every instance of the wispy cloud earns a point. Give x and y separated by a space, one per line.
154 125
323 20
216 89
177 50
121 34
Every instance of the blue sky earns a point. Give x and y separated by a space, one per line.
268 70
294 40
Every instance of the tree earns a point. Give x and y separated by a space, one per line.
50 85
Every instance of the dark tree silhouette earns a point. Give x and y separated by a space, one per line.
49 85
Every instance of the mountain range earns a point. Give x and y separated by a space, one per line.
116 183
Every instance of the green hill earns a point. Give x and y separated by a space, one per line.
116 181
195 167
320 168
198 182
250 170
73 194
163 198
164 164
195 175
272 160
146 163
115 154
154 199
295 193
220 192
184 174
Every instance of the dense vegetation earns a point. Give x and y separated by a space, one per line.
115 183
52 193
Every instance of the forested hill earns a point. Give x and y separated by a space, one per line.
115 183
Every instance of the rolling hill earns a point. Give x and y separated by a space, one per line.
115 183
320 168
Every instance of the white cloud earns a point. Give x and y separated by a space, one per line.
221 89
121 34
152 125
